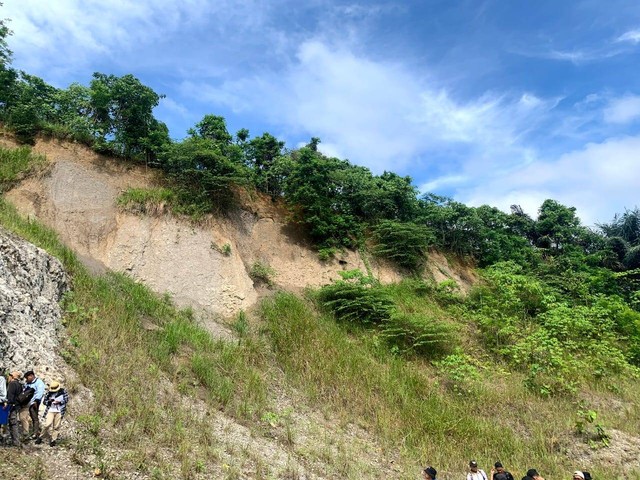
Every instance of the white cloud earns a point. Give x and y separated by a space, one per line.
632 36
622 110
599 179
82 33
378 113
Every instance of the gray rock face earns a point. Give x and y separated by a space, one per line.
31 284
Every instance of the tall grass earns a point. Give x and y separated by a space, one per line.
127 367
407 403
16 164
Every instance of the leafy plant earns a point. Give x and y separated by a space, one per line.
262 273
586 426
402 242
356 298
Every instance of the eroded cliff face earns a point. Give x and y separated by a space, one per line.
77 197
32 283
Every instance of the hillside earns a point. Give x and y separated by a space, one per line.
78 196
282 390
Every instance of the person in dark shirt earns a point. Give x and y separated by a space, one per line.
499 473
13 390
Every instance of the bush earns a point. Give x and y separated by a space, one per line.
356 298
262 273
420 334
404 243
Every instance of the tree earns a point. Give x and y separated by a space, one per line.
625 226
558 225
261 155
122 113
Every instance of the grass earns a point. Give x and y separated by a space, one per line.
146 200
127 366
16 164
406 402
465 405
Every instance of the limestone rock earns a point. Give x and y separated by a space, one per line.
32 283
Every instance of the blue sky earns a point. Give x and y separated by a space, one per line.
497 102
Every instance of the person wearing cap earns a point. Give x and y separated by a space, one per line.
13 390
578 475
56 401
30 411
429 473
499 473
475 473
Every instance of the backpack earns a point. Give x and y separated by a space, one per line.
25 396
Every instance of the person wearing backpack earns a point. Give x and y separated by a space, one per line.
56 401
475 473
14 389
29 411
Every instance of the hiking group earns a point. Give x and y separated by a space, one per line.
22 397
499 473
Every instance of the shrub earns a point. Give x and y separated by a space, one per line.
405 243
459 372
262 273
356 298
420 334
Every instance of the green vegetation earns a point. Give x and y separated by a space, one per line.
262 273
146 200
554 321
16 164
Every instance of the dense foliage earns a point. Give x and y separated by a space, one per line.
558 299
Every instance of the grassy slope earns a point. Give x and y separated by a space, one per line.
406 401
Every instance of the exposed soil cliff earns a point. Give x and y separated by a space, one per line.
77 197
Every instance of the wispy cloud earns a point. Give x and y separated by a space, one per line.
632 36
599 179
623 109
379 113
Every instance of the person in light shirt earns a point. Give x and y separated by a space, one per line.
475 473
56 401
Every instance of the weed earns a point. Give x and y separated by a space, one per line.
262 273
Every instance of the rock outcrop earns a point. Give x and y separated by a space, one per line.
31 284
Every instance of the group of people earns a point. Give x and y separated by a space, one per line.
22 397
498 472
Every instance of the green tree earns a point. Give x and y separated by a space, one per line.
558 225
122 113
261 155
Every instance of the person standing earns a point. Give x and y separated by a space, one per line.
475 473
56 401
533 473
4 407
429 473
13 390
3 386
499 472
30 411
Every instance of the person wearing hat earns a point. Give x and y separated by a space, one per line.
475 473
30 411
429 473
499 473
578 475
13 390
56 401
